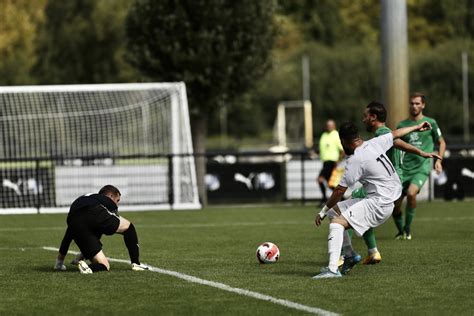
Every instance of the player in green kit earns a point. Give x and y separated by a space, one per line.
374 119
416 169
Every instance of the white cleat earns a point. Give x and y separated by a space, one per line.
139 267
77 258
83 267
327 274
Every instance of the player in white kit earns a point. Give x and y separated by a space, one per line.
367 164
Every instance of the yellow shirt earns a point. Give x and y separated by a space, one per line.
330 146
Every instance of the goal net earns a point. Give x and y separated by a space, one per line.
59 142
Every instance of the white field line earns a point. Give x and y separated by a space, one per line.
229 224
225 287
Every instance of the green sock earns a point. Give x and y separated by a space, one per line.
349 232
398 219
410 214
369 238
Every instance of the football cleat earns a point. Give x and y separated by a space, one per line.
350 262
327 274
341 261
83 267
407 236
400 236
59 267
372 258
139 267
77 258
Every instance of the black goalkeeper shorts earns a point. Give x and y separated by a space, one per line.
88 225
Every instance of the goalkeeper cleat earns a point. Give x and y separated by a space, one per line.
372 258
327 274
77 258
139 267
83 267
350 262
408 236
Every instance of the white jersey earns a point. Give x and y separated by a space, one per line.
370 166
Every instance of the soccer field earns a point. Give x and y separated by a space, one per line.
431 274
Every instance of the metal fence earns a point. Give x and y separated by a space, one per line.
147 182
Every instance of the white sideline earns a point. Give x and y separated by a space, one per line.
225 287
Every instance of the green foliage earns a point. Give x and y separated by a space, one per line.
343 79
82 42
218 50
423 276
438 74
18 31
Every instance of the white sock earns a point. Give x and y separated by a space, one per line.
347 245
373 250
335 237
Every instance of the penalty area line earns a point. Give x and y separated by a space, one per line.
225 287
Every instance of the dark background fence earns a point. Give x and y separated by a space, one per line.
232 177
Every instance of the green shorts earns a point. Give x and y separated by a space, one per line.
417 179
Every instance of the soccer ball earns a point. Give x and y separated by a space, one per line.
268 253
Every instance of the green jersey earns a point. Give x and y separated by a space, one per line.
412 163
393 153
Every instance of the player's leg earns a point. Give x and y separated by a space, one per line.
335 241
91 248
369 236
414 188
99 262
322 187
130 237
410 209
337 238
363 216
398 217
373 256
323 178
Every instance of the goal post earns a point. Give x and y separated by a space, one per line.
294 124
59 142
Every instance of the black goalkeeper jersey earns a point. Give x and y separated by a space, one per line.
91 202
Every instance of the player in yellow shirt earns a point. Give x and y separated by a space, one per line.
330 152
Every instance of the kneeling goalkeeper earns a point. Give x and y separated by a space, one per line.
90 216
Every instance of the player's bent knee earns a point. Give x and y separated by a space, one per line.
124 225
341 221
102 259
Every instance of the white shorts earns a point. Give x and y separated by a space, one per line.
363 214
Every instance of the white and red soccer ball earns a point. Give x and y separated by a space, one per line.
268 253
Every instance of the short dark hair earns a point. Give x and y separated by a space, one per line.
348 131
377 108
418 94
109 189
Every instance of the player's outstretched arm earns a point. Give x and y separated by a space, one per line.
406 130
400 144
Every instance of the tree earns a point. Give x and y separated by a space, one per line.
18 31
82 42
219 48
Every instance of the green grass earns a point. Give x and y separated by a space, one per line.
431 274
